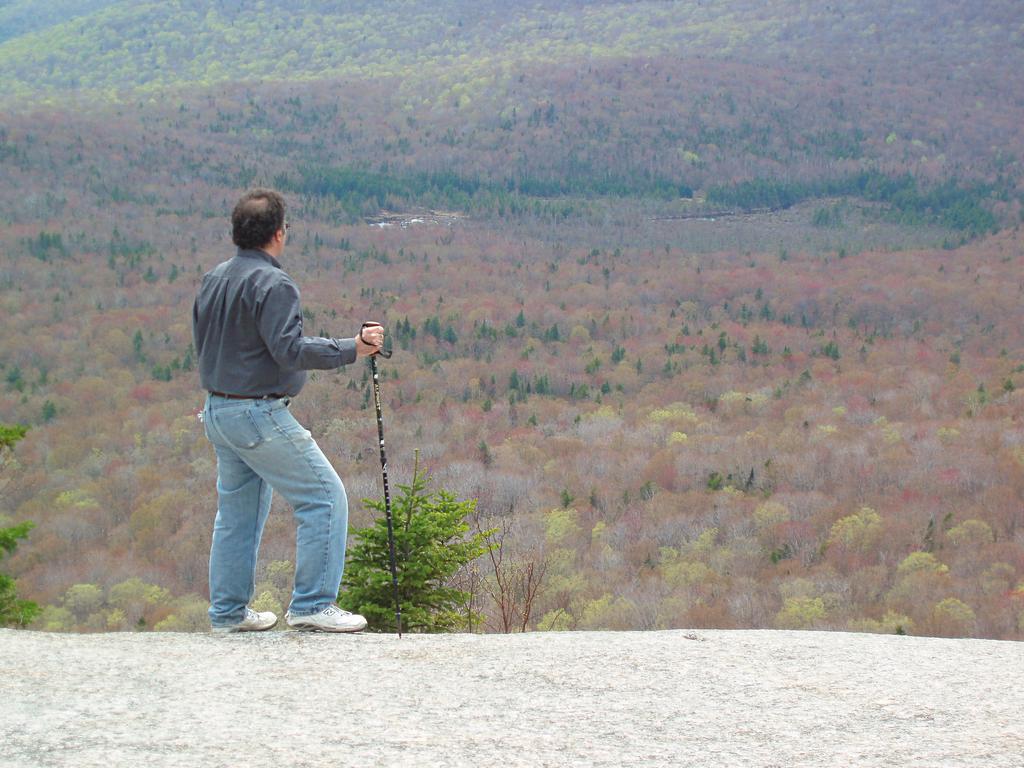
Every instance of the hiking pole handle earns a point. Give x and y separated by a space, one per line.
385 353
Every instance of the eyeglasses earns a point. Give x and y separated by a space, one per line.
287 225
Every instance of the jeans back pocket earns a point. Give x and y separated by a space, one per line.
237 427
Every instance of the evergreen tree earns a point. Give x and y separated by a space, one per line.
430 547
13 612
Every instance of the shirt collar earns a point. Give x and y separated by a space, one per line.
255 253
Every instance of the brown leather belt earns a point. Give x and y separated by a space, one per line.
248 397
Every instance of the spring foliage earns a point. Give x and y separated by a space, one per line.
741 419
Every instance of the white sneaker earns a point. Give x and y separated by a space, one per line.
330 619
253 622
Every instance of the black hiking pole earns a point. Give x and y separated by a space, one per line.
386 353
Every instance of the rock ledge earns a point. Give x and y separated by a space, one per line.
694 698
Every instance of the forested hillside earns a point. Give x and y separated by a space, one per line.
715 308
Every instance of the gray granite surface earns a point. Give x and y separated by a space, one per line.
698 698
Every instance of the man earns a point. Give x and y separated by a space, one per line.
247 326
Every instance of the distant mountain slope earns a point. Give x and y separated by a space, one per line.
23 16
111 47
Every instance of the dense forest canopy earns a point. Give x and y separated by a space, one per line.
122 45
713 307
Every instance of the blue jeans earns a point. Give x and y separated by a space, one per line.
261 447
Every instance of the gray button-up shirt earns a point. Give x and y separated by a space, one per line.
247 327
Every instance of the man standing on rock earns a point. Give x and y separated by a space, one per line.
253 358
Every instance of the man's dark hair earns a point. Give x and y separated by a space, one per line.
257 216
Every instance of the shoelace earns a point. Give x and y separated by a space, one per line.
333 610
